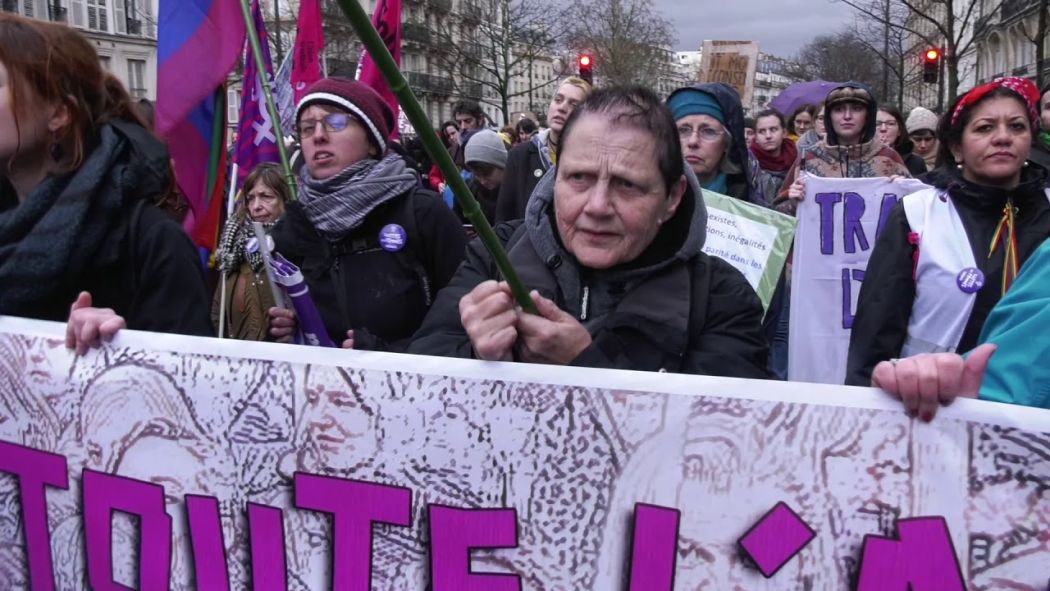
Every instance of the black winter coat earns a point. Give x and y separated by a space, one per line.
674 308
153 276
888 291
157 282
522 174
158 285
383 296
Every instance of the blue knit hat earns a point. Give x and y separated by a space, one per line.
688 101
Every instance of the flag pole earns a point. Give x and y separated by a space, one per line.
378 51
275 117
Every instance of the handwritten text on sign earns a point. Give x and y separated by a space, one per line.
840 221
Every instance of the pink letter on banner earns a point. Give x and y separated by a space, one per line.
454 532
654 548
355 505
105 493
35 469
922 560
209 551
266 530
775 538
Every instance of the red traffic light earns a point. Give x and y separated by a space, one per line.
932 55
585 60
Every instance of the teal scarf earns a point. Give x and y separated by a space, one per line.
719 184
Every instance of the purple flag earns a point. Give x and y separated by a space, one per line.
257 136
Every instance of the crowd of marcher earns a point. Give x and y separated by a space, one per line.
601 211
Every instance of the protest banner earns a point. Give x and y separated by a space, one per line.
755 240
732 62
176 462
838 223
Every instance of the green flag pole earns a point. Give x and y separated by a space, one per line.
275 117
379 52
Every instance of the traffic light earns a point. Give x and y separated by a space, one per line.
931 65
586 68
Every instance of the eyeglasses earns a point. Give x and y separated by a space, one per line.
706 134
889 123
330 122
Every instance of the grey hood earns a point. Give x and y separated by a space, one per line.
679 239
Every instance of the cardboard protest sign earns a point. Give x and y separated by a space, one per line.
176 462
732 62
838 223
754 239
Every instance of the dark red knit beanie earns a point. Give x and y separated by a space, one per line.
357 98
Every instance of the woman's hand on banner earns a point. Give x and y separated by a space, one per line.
551 336
282 324
348 342
489 316
924 382
88 327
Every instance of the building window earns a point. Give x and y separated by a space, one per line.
233 106
137 78
97 16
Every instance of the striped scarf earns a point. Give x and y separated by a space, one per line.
1006 234
337 205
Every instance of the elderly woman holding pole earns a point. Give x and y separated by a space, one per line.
611 242
373 246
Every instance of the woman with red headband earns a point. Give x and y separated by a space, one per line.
949 253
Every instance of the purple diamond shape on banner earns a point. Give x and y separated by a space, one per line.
778 536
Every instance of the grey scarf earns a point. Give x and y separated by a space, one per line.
339 204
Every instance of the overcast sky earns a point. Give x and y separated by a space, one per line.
781 27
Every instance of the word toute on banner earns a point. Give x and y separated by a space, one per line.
922 558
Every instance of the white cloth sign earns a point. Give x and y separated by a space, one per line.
181 463
838 223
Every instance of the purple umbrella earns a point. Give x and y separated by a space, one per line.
801 93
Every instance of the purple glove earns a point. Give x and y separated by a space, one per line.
311 326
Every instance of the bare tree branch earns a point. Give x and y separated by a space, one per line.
628 38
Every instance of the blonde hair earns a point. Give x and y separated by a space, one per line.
578 83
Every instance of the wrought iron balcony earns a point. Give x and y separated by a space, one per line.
416 32
422 83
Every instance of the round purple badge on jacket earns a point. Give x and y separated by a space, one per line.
392 238
970 280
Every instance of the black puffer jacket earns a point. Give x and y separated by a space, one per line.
673 308
520 177
886 295
383 296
